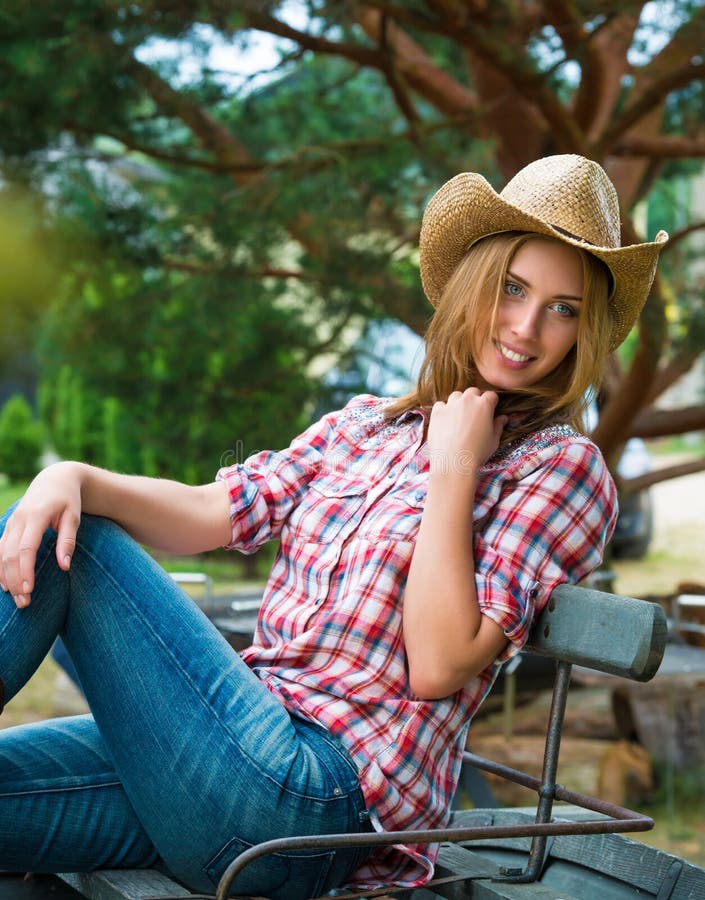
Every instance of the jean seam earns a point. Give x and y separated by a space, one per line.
62 790
332 743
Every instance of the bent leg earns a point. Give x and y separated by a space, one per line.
62 806
209 759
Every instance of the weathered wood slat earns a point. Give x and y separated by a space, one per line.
607 632
611 858
479 871
124 884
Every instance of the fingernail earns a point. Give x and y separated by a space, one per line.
21 601
25 587
67 560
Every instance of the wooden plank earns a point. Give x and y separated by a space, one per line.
123 884
585 859
479 871
607 632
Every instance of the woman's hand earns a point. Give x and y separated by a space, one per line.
463 432
53 500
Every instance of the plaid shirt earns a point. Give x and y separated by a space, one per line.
345 501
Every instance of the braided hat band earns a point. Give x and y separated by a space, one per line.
568 198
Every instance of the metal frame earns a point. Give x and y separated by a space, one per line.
618 818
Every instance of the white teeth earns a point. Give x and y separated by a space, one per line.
510 354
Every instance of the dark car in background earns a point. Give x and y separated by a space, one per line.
635 524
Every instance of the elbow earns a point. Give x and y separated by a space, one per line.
434 683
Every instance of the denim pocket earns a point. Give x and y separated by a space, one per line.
278 876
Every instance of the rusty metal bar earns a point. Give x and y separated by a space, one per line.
624 820
547 789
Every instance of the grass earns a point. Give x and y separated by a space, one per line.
661 571
678 811
692 444
10 492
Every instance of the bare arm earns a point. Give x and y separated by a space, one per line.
447 639
163 514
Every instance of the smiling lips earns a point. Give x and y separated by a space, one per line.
511 355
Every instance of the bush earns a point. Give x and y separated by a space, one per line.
21 440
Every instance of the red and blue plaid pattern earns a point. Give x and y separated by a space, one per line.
345 501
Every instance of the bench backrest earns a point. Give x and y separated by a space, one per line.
607 632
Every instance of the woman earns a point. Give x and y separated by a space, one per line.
418 540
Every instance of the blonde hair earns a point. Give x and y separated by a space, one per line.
465 318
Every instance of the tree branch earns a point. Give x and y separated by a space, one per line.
683 233
680 364
213 136
664 146
433 83
507 60
395 80
676 66
605 64
161 156
651 423
358 53
622 406
569 23
531 86
656 476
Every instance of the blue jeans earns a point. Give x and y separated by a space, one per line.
186 759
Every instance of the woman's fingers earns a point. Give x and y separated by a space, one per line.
465 429
66 538
19 555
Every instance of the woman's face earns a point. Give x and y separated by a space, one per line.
537 316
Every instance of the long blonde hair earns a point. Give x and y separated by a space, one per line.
465 318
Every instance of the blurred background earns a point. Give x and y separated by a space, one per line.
209 216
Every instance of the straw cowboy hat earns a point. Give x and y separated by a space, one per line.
566 197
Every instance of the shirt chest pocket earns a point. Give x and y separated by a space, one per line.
328 511
396 516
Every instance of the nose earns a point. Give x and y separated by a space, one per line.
525 322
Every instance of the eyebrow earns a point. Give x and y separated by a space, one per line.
555 296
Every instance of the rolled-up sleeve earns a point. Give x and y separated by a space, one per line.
265 488
550 525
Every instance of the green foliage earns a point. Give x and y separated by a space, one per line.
216 237
172 383
26 282
21 440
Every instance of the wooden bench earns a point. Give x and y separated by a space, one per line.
579 626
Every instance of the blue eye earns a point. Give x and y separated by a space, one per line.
564 309
513 289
